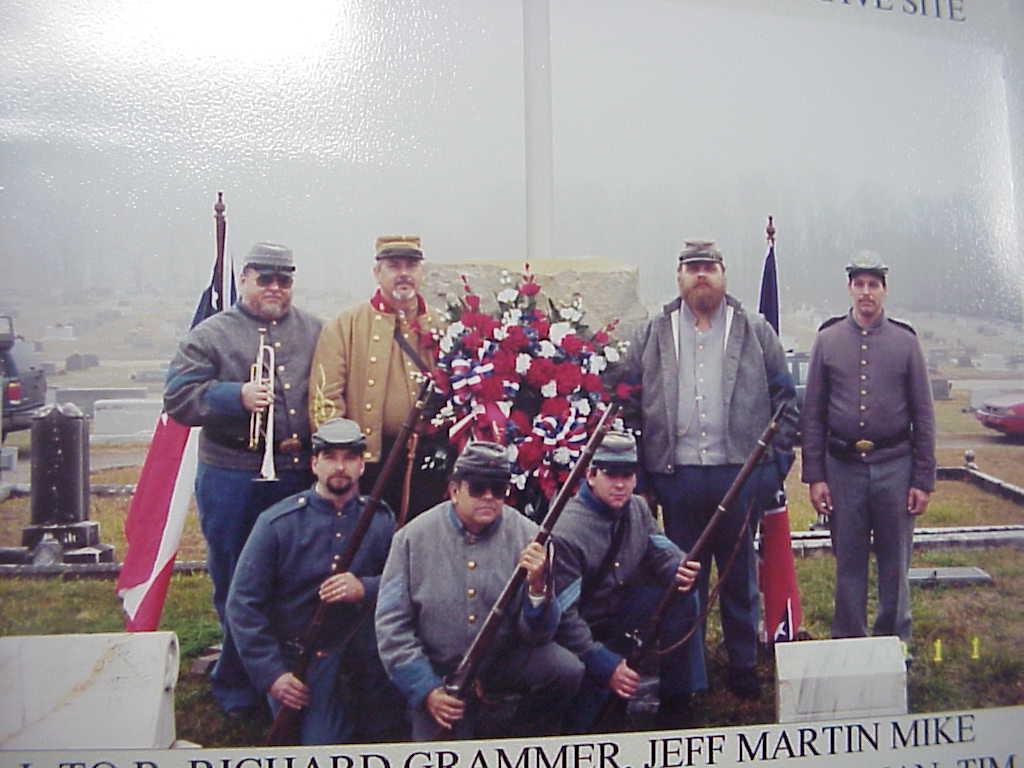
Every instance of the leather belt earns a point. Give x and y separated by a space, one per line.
841 447
288 446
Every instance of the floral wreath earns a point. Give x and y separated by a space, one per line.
532 380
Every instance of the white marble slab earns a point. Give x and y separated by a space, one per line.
88 691
835 679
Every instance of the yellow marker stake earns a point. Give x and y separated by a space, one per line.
975 647
938 649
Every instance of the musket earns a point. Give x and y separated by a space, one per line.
644 638
284 730
459 682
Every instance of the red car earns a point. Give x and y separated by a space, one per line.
1003 412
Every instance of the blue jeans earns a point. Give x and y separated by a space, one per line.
680 672
689 497
229 501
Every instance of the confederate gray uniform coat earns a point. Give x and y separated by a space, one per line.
869 431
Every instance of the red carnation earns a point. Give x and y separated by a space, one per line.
554 406
516 339
567 378
491 389
441 381
591 382
572 344
600 338
624 391
531 452
542 370
472 301
543 328
472 340
529 288
504 362
521 420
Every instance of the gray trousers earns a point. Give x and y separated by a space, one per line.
870 512
547 676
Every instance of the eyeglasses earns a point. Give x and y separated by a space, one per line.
263 279
477 488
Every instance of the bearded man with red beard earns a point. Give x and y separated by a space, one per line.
370 360
711 376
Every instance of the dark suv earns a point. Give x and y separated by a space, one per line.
22 379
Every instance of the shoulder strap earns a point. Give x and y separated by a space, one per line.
408 349
590 584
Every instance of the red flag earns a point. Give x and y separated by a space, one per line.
159 506
776 576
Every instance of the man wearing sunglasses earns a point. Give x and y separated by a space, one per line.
445 571
369 363
210 385
612 568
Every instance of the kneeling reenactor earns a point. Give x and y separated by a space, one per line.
612 566
445 571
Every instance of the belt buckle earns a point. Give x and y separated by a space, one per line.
864 446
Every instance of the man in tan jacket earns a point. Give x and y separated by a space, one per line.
369 362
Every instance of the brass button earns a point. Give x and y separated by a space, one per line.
471 564
863 377
367 455
863 391
616 564
863 362
862 423
863 407
295 459
373 358
334 566
376 317
472 618
302 500
863 332
291 411
370 382
337 557
471 592
369 406
287 385
280 367
337 535
277 344
368 430
376 337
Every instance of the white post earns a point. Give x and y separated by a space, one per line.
537 117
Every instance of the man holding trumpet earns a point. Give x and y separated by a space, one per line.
242 375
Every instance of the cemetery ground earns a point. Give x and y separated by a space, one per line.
979 627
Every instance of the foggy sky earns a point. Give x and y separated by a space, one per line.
328 123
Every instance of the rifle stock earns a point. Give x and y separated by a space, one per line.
460 682
284 731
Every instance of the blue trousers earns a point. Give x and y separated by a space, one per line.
229 503
689 497
680 672
351 698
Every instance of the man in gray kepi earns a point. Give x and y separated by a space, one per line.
209 385
869 449
444 573
612 567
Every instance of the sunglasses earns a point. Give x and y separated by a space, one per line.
263 279
477 488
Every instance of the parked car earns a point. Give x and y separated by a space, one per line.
1003 412
22 379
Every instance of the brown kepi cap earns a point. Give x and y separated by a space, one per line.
404 246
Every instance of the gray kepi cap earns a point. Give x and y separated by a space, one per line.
700 250
270 257
338 433
616 451
867 261
483 459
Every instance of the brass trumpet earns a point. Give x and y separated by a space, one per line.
262 372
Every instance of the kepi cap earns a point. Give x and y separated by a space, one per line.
338 433
481 458
867 261
700 250
618 449
404 246
270 257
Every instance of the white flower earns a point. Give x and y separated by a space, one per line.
597 364
512 316
583 407
508 295
446 344
559 331
523 361
500 334
547 349
572 315
561 455
519 480
611 354
455 330
549 390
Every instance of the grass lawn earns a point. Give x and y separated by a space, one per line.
978 664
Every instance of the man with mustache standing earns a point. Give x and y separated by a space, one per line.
370 360
287 567
209 386
869 449
445 571
712 374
